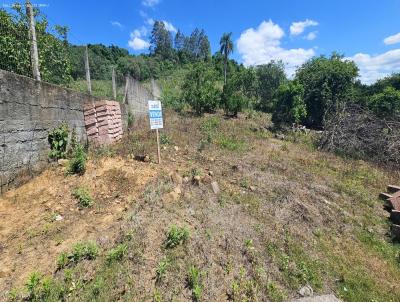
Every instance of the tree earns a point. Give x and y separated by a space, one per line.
238 91
327 83
270 76
385 104
226 48
199 89
161 40
54 62
179 41
290 106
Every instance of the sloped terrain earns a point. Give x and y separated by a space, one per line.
286 216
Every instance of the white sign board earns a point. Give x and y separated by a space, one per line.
155 114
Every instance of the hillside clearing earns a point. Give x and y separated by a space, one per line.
287 216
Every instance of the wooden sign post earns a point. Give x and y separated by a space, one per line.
156 122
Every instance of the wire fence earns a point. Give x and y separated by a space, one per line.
58 61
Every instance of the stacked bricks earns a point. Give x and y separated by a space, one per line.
103 122
392 204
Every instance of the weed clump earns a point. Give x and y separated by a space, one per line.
194 282
162 269
176 236
117 253
77 164
58 140
83 196
80 251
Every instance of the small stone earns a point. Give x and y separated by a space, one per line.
211 173
164 147
306 291
63 162
186 179
178 190
211 159
176 148
215 187
196 180
279 136
252 188
171 196
146 159
59 218
176 178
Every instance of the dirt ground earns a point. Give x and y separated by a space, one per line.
286 216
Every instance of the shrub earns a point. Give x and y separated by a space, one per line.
117 253
80 251
176 236
77 164
83 197
58 140
290 107
200 89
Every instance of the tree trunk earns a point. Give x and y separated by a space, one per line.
225 66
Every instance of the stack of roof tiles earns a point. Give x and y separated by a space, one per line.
103 122
392 204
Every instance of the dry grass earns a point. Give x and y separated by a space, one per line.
288 215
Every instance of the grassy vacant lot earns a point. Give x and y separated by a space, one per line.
287 215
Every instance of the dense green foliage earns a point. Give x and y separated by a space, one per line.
15 44
290 106
58 140
327 82
200 89
77 164
270 76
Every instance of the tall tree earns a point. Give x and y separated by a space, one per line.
161 40
327 82
226 49
179 41
270 76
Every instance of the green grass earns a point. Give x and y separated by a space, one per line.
162 268
230 143
195 282
83 196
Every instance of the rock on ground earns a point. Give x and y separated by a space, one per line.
322 298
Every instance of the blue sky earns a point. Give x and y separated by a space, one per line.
367 31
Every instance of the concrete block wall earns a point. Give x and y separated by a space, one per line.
28 111
103 122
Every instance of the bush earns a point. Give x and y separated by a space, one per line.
290 107
176 236
58 140
77 164
83 196
200 89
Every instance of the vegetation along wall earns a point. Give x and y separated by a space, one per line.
28 111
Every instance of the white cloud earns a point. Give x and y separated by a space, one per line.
136 41
297 28
117 24
311 36
263 44
150 21
142 14
392 39
150 3
169 26
378 66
